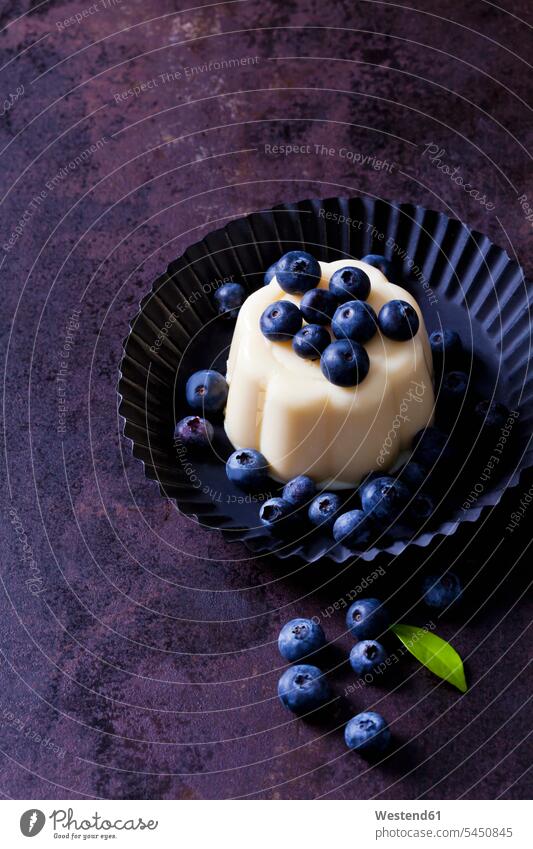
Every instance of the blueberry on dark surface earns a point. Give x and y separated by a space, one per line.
297 272
366 655
280 321
354 529
270 274
318 306
413 475
303 688
324 509
300 637
194 432
355 320
421 509
206 390
367 619
299 491
431 445
398 320
491 415
385 498
441 591
345 363
447 348
229 299
350 283
368 734
275 512
380 262
453 389
311 341
247 468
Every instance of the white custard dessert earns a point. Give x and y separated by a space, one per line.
283 405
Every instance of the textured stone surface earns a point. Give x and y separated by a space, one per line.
144 648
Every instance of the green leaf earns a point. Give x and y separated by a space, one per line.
438 655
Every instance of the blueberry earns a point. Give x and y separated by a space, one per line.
280 321
194 432
206 390
324 509
413 475
366 655
303 688
446 347
353 529
345 363
380 262
441 591
453 388
431 445
349 283
300 637
275 513
367 619
318 306
491 415
299 491
247 468
229 299
310 342
355 320
398 320
270 274
385 498
421 510
297 272
367 733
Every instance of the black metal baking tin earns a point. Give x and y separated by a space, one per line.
458 276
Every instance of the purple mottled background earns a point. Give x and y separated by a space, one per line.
138 651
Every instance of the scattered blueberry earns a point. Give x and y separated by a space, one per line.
276 513
431 445
441 591
413 475
350 283
229 299
353 529
355 320
398 320
247 468
297 272
421 509
280 321
367 619
366 655
324 509
367 733
303 688
270 274
194 432
299 491
452 390
381 262
385 498
300 637
491 415
345 363
318 306
206 390
311 341
446 347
